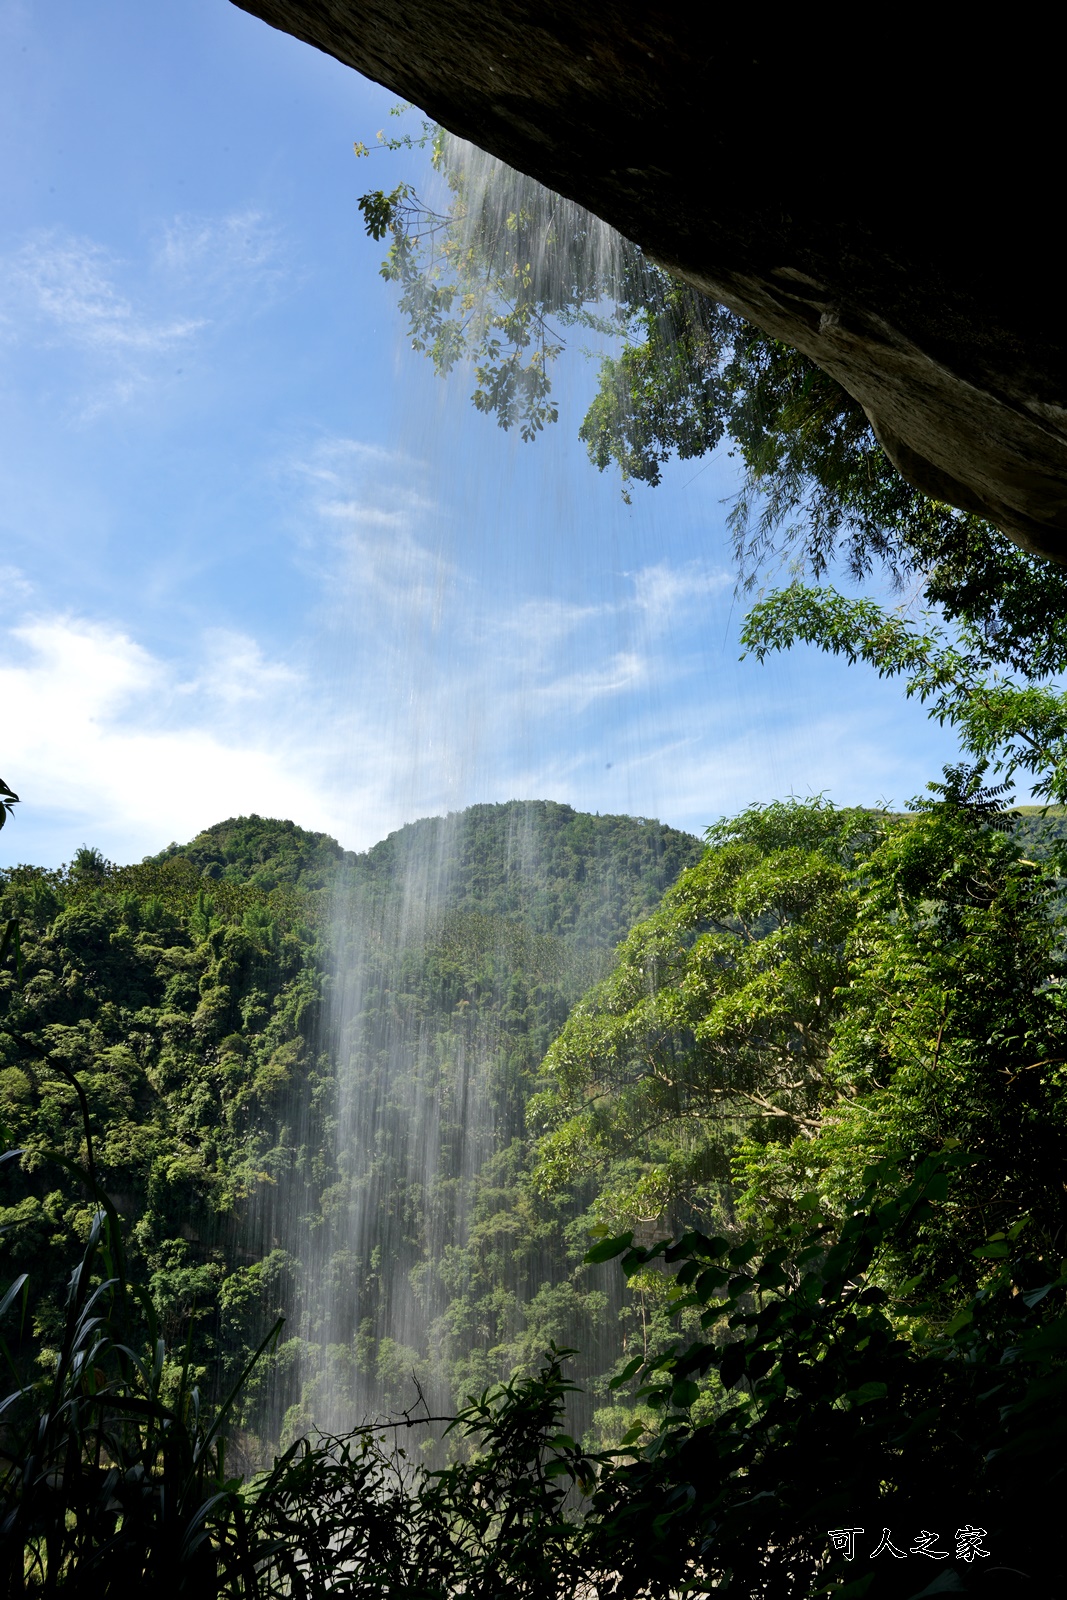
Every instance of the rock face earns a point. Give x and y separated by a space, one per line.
884 201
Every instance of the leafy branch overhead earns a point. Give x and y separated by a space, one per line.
491 282
1018 724
8 800
503 269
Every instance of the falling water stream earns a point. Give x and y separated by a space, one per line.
453 957
445 990
422 1078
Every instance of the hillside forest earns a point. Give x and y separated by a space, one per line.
394 1099
245 1113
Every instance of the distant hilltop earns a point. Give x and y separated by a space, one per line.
558 869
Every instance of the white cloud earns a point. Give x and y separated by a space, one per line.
15 587
236 670
67 287
218 257
90 729
577 691
129 321
338 462
421 684
545 623
365 525
665 593
110 744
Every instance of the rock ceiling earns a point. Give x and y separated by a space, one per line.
877 192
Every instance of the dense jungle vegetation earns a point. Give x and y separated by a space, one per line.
827 1026
191 998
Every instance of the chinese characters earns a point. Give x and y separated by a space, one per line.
968 1544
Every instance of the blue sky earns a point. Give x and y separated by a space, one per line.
254 556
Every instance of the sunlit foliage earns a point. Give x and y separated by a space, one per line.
507 269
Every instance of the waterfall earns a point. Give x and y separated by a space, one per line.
458 946
413 1123
453 960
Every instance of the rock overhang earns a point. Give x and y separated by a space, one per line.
880 197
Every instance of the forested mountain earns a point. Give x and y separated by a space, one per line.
1040 830
262 851
307 1073
393 1096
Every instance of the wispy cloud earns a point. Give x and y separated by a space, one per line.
382 547
67 287
364 522
236 671
128 320
15 587
544 622
241 254
575 692
337 463
665 593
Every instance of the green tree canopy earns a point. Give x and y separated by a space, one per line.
716 1020
823 991
1011 719
506 270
